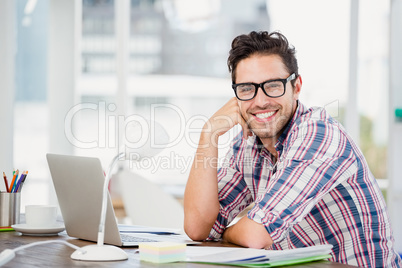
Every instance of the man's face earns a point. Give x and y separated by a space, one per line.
267 116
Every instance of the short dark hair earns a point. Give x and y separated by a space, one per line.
264 43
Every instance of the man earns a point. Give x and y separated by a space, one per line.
306 179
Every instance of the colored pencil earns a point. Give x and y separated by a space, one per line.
15 174
18 183
6 182
22 182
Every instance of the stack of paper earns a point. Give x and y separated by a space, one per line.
162 252
248 257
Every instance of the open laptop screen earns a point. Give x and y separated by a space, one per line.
78 182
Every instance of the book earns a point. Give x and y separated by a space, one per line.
247 257
6 229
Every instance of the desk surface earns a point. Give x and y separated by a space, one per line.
58 255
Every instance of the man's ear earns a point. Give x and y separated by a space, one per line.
297 87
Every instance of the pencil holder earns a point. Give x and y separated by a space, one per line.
9 208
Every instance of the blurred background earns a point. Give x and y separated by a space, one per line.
75 73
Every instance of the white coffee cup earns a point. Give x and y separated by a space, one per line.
40 215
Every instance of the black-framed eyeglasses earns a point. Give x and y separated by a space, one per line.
272 88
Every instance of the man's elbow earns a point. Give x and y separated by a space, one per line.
195 233
197 226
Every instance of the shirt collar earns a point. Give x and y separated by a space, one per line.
300 109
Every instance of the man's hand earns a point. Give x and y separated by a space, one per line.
225 119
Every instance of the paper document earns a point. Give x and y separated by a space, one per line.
178 238
256 257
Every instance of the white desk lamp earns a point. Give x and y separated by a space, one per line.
153 144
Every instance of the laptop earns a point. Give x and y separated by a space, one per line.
78 182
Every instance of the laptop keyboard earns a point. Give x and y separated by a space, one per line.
129 238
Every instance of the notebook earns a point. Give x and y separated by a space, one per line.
78 182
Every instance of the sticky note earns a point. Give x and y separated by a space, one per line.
162 252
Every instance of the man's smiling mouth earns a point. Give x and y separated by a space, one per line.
265 115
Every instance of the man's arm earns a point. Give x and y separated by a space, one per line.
201 204
248 233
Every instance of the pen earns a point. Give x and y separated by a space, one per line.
6 182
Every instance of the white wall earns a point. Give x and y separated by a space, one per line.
7 83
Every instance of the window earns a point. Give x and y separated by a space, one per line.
185 69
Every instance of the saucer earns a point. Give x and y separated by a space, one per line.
38 231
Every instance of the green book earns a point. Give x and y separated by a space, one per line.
6 229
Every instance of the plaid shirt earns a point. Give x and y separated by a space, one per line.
320 191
